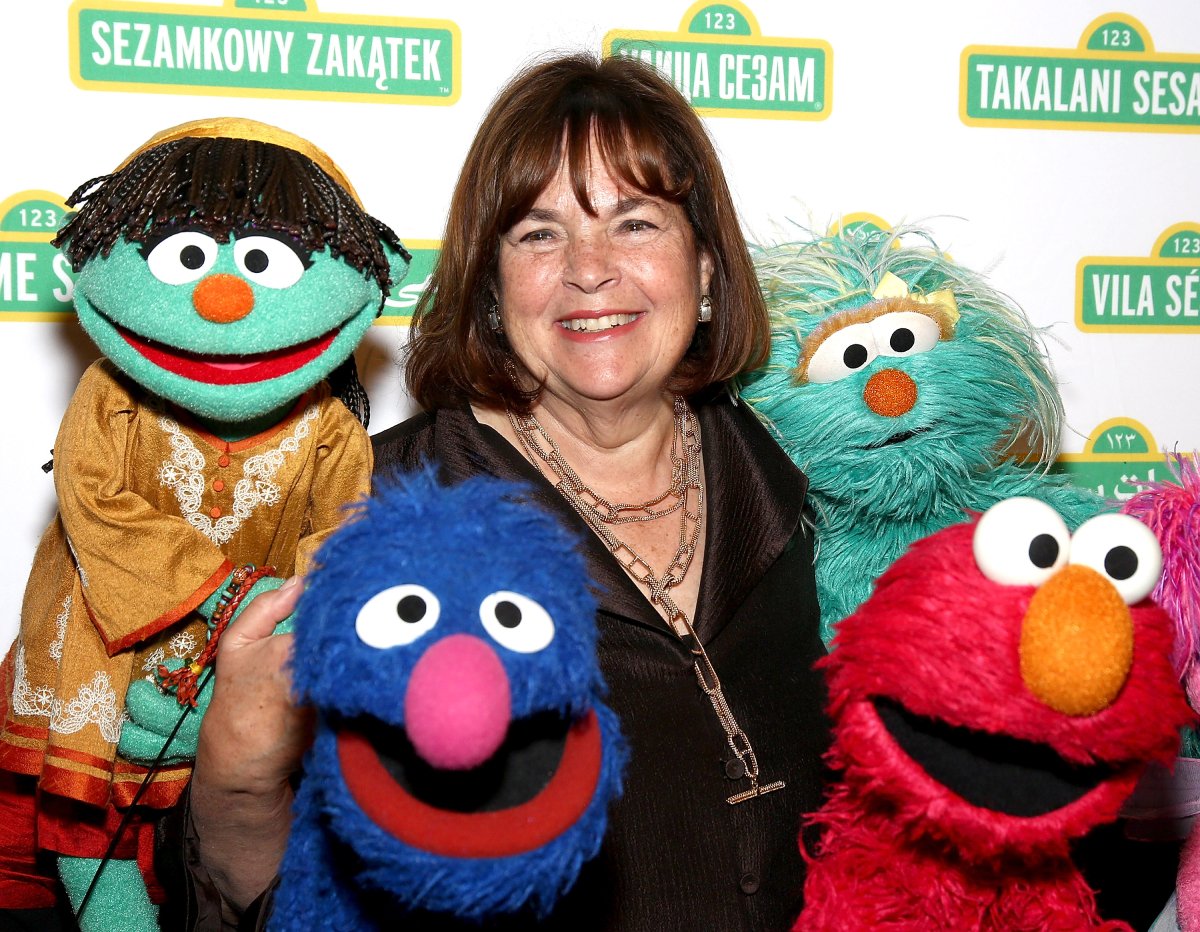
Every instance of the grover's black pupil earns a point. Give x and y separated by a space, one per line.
1043 551
855 355
902 340
257 261
508 614
411 608
1120 562
191 257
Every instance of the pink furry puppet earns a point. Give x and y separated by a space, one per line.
1171 509
998 695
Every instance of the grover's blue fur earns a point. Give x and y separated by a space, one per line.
461 542
981 392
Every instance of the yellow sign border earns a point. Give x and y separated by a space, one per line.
405 320
228 10
755 38
1080 52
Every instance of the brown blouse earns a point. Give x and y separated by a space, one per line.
153 514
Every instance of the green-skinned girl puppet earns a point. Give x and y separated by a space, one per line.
226 271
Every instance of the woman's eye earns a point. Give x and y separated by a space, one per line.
1122 550
397 616
842 353
905 333
267 261
182 257
639 226
516 621
1020 542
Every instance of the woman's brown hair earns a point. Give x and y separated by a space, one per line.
650 139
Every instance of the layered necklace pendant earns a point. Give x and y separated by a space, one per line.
684 496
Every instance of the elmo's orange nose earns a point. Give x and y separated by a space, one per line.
223 299
890 392
1076 642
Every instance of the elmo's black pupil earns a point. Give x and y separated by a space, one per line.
508 614
256 260
1120 562
191 257
1043 551
903 340
855 356
411 608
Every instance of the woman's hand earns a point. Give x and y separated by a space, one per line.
251 742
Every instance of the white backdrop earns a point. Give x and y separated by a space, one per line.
1025 204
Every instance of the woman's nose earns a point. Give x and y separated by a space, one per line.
590 264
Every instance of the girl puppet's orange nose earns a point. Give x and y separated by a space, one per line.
223 299
890 393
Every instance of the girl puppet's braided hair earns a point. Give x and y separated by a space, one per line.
223 176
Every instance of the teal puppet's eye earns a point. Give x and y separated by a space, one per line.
842 353
517 622
182 257
905 333
267 261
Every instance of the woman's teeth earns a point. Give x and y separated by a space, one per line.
592 324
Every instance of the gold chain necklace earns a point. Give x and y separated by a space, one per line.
687 489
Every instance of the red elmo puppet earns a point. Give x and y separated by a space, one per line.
998 695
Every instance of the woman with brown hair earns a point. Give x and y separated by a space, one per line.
593 296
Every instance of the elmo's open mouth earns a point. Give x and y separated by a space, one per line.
229 370
535 787
995 772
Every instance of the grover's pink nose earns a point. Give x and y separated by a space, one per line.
457 707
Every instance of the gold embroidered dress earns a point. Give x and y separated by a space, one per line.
153 515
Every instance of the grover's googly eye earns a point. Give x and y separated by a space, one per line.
267 261
842 353
397 616
1122 550
905 333
182 257
517 622
1020 542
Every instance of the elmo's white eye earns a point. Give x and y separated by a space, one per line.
182 257
905 333
397 616
842 353
517 622
267 261
1020 542
1122 550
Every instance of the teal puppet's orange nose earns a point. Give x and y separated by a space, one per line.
223 298
890 393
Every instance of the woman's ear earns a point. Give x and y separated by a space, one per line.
706 271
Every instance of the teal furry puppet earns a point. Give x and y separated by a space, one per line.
899 381
226 270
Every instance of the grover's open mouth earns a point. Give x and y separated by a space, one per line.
536 786
996 772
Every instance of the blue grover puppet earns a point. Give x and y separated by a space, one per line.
463 761
901 383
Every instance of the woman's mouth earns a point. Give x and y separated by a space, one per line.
217 369
597 324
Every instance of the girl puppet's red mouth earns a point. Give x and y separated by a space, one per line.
214 369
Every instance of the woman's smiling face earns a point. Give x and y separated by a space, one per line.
601 307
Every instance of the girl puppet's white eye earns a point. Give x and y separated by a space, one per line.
517 622
842 353
397 616
905 333
182 257
1020 542
267 261
1122 550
